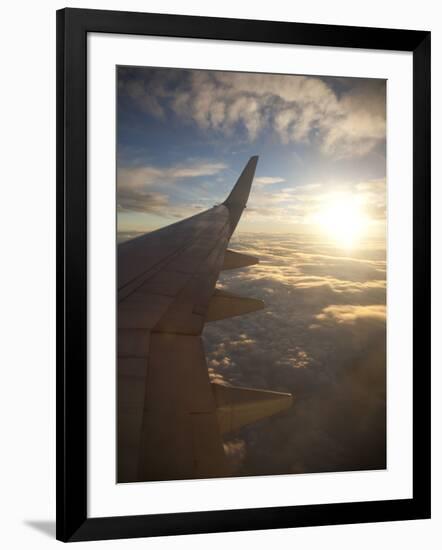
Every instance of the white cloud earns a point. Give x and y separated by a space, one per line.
136 192
303 204
135 200
141 176
350 314
267 180
296 108
335 369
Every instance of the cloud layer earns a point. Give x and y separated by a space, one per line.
343 121
321 337
136 185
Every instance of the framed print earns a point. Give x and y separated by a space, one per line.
243 304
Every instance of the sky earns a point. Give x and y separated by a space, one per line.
316 219
185 135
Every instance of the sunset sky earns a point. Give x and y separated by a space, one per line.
184 136
316 219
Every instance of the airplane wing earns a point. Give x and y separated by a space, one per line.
171 419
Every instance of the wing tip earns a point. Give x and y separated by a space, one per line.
240 193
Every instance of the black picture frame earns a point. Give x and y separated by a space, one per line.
73 25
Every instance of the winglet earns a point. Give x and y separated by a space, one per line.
237 200
240 193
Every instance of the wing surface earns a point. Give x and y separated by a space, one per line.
169 423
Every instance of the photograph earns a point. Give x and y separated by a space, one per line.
251 274
220 326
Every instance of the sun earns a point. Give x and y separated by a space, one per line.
343 219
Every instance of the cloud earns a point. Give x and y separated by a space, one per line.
322 337
360 123
303 204
349 314
235 451
267 180
136 200
146 175
297 109
135 185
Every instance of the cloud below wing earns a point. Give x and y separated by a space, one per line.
321 337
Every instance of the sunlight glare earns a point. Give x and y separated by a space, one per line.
343 219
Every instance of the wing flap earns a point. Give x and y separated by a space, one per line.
237 406
225 304
235 260
180 436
